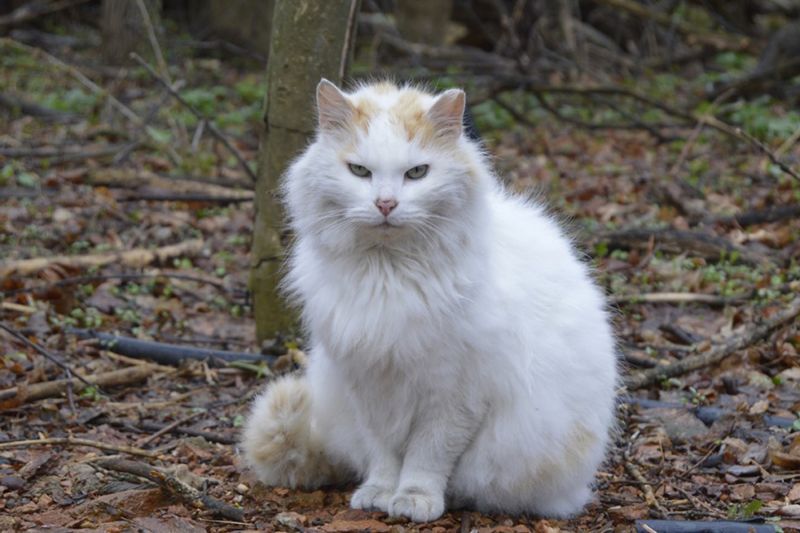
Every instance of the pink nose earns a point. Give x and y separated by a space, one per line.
386 206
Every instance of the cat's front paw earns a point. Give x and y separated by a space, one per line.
369 497
417 504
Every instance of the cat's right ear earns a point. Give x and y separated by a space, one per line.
334 110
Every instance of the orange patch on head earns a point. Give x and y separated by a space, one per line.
365 109
410 113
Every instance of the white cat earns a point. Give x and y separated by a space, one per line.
460 353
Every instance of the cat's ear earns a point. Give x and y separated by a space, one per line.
333 108
447 113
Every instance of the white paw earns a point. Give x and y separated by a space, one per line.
417 504
372 497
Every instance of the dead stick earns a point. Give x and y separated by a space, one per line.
675 297
32 10
48 389
211 127
174 486
649 495
170 427
137 257
71 441
717 353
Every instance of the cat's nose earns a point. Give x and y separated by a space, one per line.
386 206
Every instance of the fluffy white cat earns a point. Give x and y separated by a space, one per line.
460 353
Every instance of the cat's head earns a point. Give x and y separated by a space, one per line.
389 165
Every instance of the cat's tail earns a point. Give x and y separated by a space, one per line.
279 442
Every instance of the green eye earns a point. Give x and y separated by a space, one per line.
360 171
417 172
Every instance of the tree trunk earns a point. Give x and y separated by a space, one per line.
125 30
310 40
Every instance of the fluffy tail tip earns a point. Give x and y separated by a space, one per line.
277 441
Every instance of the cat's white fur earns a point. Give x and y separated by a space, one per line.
462 355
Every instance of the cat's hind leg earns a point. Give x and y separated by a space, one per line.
279 442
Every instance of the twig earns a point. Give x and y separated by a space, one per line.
716 353
48 389
169 427
211 127
71 441
169 196
689 526
32 10
740 134
46 353
81 280
169 354
761 216
649 495
676 297
151 35
138 257
62 154
152 426
174 486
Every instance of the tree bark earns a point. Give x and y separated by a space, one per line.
124 29
310 40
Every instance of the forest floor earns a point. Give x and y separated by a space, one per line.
655 216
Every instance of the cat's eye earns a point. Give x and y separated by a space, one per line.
359 170
417 172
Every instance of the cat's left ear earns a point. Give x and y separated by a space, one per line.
447 113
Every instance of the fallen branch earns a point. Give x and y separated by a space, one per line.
138 257
152 426
48 389
82 280
676 298
172 485
678 241
135 179
167 354
649 495
169 427
716 353
761 216
62 154
211 127
32 10
168 196
71 441
705 526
